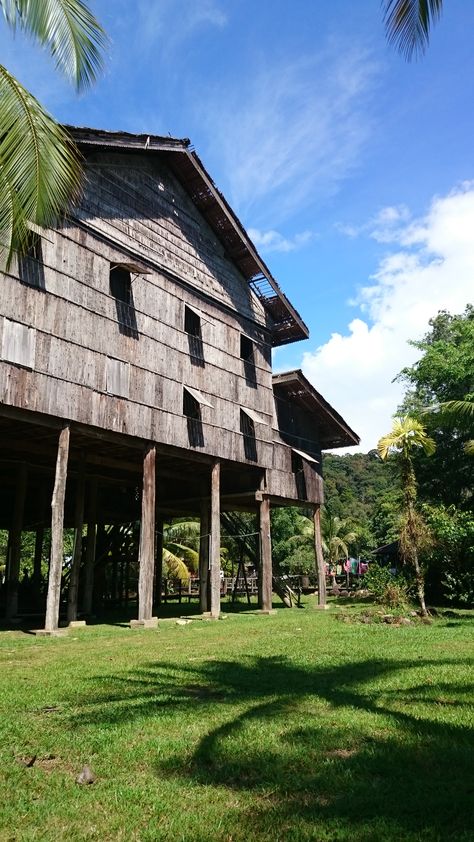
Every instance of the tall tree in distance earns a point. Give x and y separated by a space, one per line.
40 169
406 436
408 24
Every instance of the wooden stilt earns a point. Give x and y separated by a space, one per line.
318 552
77 551
265 589
160 525
91 542
15 543
204 557
146 555
57 521
215 544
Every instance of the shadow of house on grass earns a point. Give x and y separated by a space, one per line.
303 742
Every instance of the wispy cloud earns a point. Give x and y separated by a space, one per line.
268 241
166 25
432 270
292 129
388 225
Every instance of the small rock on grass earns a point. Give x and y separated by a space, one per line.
86 776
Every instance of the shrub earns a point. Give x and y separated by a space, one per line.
388 588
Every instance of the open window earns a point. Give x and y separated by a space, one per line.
297 466
121 290
30 264
247 355
247 428
192 326
192 411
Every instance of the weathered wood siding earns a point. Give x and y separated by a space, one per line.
81 367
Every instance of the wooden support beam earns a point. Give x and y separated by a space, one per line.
319 558
215 545
15 542
146 555
91 541
77 551
204 557
265 590
160 525
57 521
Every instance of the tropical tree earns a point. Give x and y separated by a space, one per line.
181 548
407 436
458 414
408 24
40 169
336 536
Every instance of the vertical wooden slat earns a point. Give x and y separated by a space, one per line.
146 555
265 572
77 551
318 552
215 548
57 521
15 543
160 525
204 557
90 548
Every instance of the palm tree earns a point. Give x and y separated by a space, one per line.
407 435
181 548
335 545
459 414
40 169
408 23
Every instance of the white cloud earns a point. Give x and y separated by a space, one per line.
387 226
291 130
355 370
167 24
268 241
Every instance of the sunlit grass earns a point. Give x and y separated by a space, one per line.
288 727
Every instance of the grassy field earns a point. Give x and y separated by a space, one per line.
290 727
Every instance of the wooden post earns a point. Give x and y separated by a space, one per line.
265 590
91 542
204 557
215 542
160 525
15 543
146 556
318 552
77 551
57 521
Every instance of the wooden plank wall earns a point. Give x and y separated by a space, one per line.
80 352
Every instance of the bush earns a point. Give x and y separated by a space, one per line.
390 589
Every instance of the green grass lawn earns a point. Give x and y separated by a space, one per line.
290 727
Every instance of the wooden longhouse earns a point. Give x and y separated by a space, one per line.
136 381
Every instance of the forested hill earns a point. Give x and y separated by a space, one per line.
362 489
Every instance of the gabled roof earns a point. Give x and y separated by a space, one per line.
294 387
288 325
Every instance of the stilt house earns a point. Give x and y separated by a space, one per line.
136 379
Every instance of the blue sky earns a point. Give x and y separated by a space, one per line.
352 169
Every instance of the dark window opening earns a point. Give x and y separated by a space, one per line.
30 264
192 326
121 289
247 428
192 411
247 355
297 466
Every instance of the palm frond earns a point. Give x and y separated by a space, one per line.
68 29
408 24
175 567
469 447
39 166
407 433
189 556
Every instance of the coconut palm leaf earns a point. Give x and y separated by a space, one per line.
175 567
408 23
39 168
68 29
407 433
187 555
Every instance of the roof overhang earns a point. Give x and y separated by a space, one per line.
294 387
286 325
